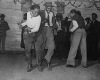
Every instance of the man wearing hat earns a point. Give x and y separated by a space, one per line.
3 28
48 21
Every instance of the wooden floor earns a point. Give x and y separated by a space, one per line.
13 67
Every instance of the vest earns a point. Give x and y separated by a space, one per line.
79 20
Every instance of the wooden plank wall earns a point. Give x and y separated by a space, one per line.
14 14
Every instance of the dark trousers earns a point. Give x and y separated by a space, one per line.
2 43
36 41
93 47
60 44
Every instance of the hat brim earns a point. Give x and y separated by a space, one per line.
48 5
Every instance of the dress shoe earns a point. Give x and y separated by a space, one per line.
71 66
29 68
40 68
84 66
49 67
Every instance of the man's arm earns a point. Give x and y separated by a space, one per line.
24 22
75 26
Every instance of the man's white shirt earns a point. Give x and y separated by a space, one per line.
75 25
59 25
50 18
32 22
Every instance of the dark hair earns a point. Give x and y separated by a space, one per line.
87 18
73 11
78 12
35 6
94 14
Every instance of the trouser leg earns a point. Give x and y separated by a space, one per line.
73 49
28 46
0 43
50 46
83 49
39 47
3 43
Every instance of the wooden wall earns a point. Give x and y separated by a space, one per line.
14 14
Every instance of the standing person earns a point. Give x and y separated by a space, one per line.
22 39
60 36
3 28
94 36
78 38
33 36
67 23
87 27
49 20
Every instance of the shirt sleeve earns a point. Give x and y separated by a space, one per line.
28 17
75 25
24 23
37 26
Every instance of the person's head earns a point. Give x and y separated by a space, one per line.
2 16
72 12
48 9
78 13
94 16
66 19
87 19
59 17
35 10
48 6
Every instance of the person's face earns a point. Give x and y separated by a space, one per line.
2 18
35 12
48 9
72 14
94 17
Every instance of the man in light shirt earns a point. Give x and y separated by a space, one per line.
33 36
78 38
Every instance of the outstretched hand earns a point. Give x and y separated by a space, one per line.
19 24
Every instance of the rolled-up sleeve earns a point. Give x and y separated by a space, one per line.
37 25
24 23
75 25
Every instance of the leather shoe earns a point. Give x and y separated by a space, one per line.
84 66
40 68
29 68
49 67
70 66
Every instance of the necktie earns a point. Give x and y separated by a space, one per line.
48 19
59 24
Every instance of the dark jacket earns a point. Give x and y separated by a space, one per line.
80 20
95 28
3 28
43 19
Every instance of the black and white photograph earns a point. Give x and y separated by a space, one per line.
49 39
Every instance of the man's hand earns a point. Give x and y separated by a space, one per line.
19 24
29 29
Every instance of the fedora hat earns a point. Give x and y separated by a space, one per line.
2 15
48 4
